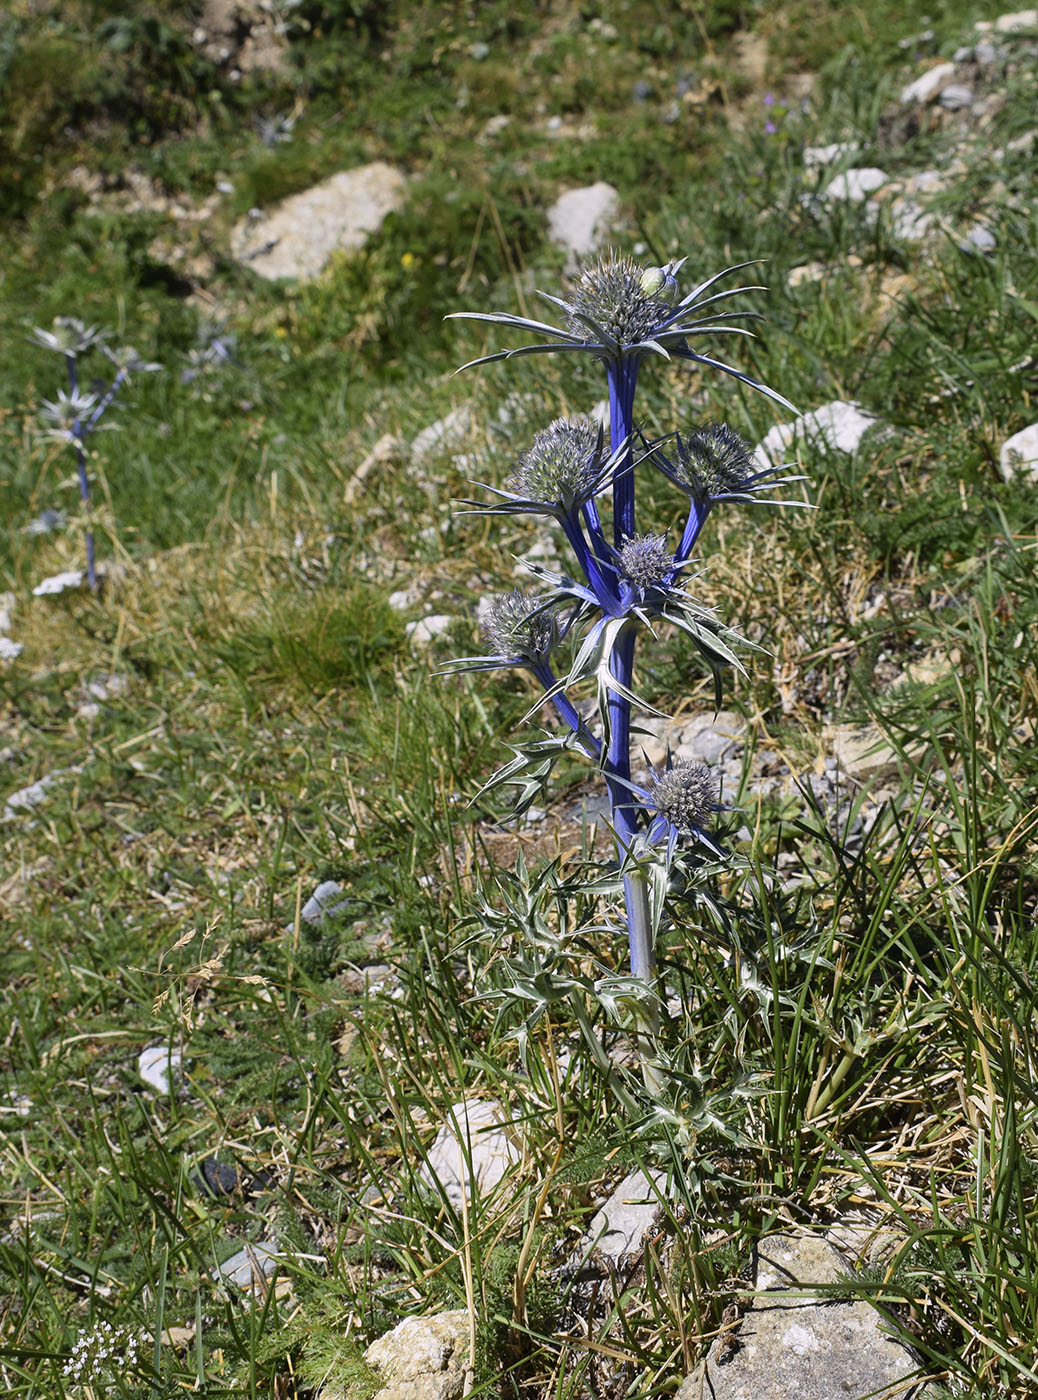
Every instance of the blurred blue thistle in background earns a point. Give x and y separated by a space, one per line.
72 417
621 313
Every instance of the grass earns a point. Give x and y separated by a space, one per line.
271 725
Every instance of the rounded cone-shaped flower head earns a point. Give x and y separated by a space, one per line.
686 795
645 560
563 466
621 299
711 463
520 628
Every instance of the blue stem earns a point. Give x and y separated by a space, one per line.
604 592
623 377
697 513
114 388
566 711
78 435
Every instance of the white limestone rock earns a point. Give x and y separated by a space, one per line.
925 88
582 219
427 629
618 1230
446 435
28 797
297 237
1019 454
830 155
705 738
422 1358
1016 22
157 1065
839 426
855 185
909 220
59 583
473 1151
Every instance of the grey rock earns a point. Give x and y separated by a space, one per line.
909 220
830 155
955 97
427 629
791 1343
839 426
28 797
856 184
251 1264
620 1227
324 900
985 55
581 220
157 1066
707 738
9 651
1018 455
925 88
297 237
473 1151
978 239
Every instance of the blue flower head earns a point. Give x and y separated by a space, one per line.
520 629
563 467
646 561
686 797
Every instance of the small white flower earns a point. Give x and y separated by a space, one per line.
67 413
125 358
69 336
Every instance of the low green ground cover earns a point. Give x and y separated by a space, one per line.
240 714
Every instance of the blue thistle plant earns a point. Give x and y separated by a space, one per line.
623 582
73 416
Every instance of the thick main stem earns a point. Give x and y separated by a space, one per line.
623 378
643 966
